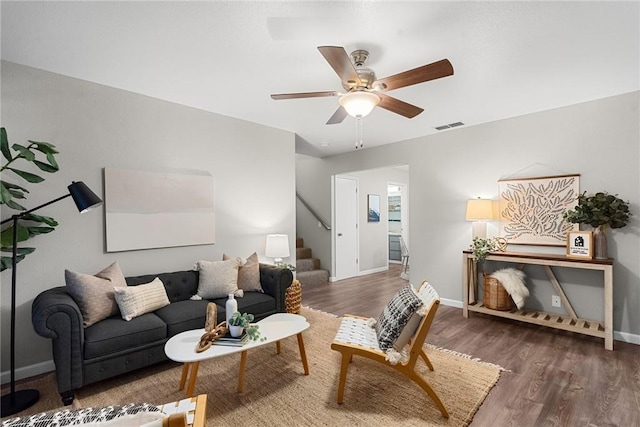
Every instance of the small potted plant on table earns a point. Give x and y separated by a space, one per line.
239 323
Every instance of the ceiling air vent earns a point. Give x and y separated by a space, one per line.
449 126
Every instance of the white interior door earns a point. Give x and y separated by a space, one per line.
346 227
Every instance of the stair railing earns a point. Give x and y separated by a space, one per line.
313 212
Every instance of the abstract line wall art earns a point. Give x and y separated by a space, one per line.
147 210
531 209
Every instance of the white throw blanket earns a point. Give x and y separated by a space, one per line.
513 282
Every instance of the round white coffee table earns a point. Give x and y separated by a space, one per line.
182 347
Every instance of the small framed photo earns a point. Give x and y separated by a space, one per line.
580 244
373 202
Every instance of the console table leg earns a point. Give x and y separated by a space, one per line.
303 354
608 308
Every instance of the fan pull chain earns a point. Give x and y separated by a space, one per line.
358 132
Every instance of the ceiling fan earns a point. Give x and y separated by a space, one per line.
364 90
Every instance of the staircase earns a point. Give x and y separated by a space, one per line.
308 270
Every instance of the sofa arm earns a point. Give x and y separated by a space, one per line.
56 315
275 281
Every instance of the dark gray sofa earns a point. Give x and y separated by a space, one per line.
113 346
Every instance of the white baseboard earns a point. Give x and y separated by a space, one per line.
29 371
626 337
451 302
373 270
363 273
617 335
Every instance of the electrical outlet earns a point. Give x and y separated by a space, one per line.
555 301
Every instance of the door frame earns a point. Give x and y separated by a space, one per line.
334 209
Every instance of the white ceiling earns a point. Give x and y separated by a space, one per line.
510 58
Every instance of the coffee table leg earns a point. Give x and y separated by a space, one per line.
185 371
243 365
277 347
303 354
192 379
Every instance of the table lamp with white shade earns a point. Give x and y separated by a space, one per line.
277 247
480 211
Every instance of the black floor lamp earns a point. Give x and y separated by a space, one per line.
85 200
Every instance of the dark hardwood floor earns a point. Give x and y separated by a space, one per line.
554 378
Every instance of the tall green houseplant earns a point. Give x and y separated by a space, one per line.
600 211
41 155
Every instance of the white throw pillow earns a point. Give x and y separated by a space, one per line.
218 279
137 300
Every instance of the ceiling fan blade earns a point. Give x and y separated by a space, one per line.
436 70
337 57
399 107
338 116
304 95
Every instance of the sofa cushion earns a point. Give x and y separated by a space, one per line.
180 285
113 335
182 316
94 293
218 279
249 273
134 301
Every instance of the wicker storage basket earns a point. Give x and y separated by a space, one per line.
495 296
293 298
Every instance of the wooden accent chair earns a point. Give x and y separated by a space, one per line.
356 337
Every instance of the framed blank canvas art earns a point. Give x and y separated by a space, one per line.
147 210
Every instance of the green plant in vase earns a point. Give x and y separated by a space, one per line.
244 321
600 211
482 247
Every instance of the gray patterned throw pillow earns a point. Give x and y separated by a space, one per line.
395 317
127 415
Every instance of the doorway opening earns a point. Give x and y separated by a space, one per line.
371 249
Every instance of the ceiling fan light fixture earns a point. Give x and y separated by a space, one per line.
359 103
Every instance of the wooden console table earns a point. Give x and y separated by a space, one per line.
569 322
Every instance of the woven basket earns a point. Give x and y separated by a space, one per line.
495 296
293 298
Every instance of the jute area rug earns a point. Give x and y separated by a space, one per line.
277 393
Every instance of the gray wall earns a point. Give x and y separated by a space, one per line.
94 127
600 140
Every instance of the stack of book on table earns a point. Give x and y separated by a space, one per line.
232 341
